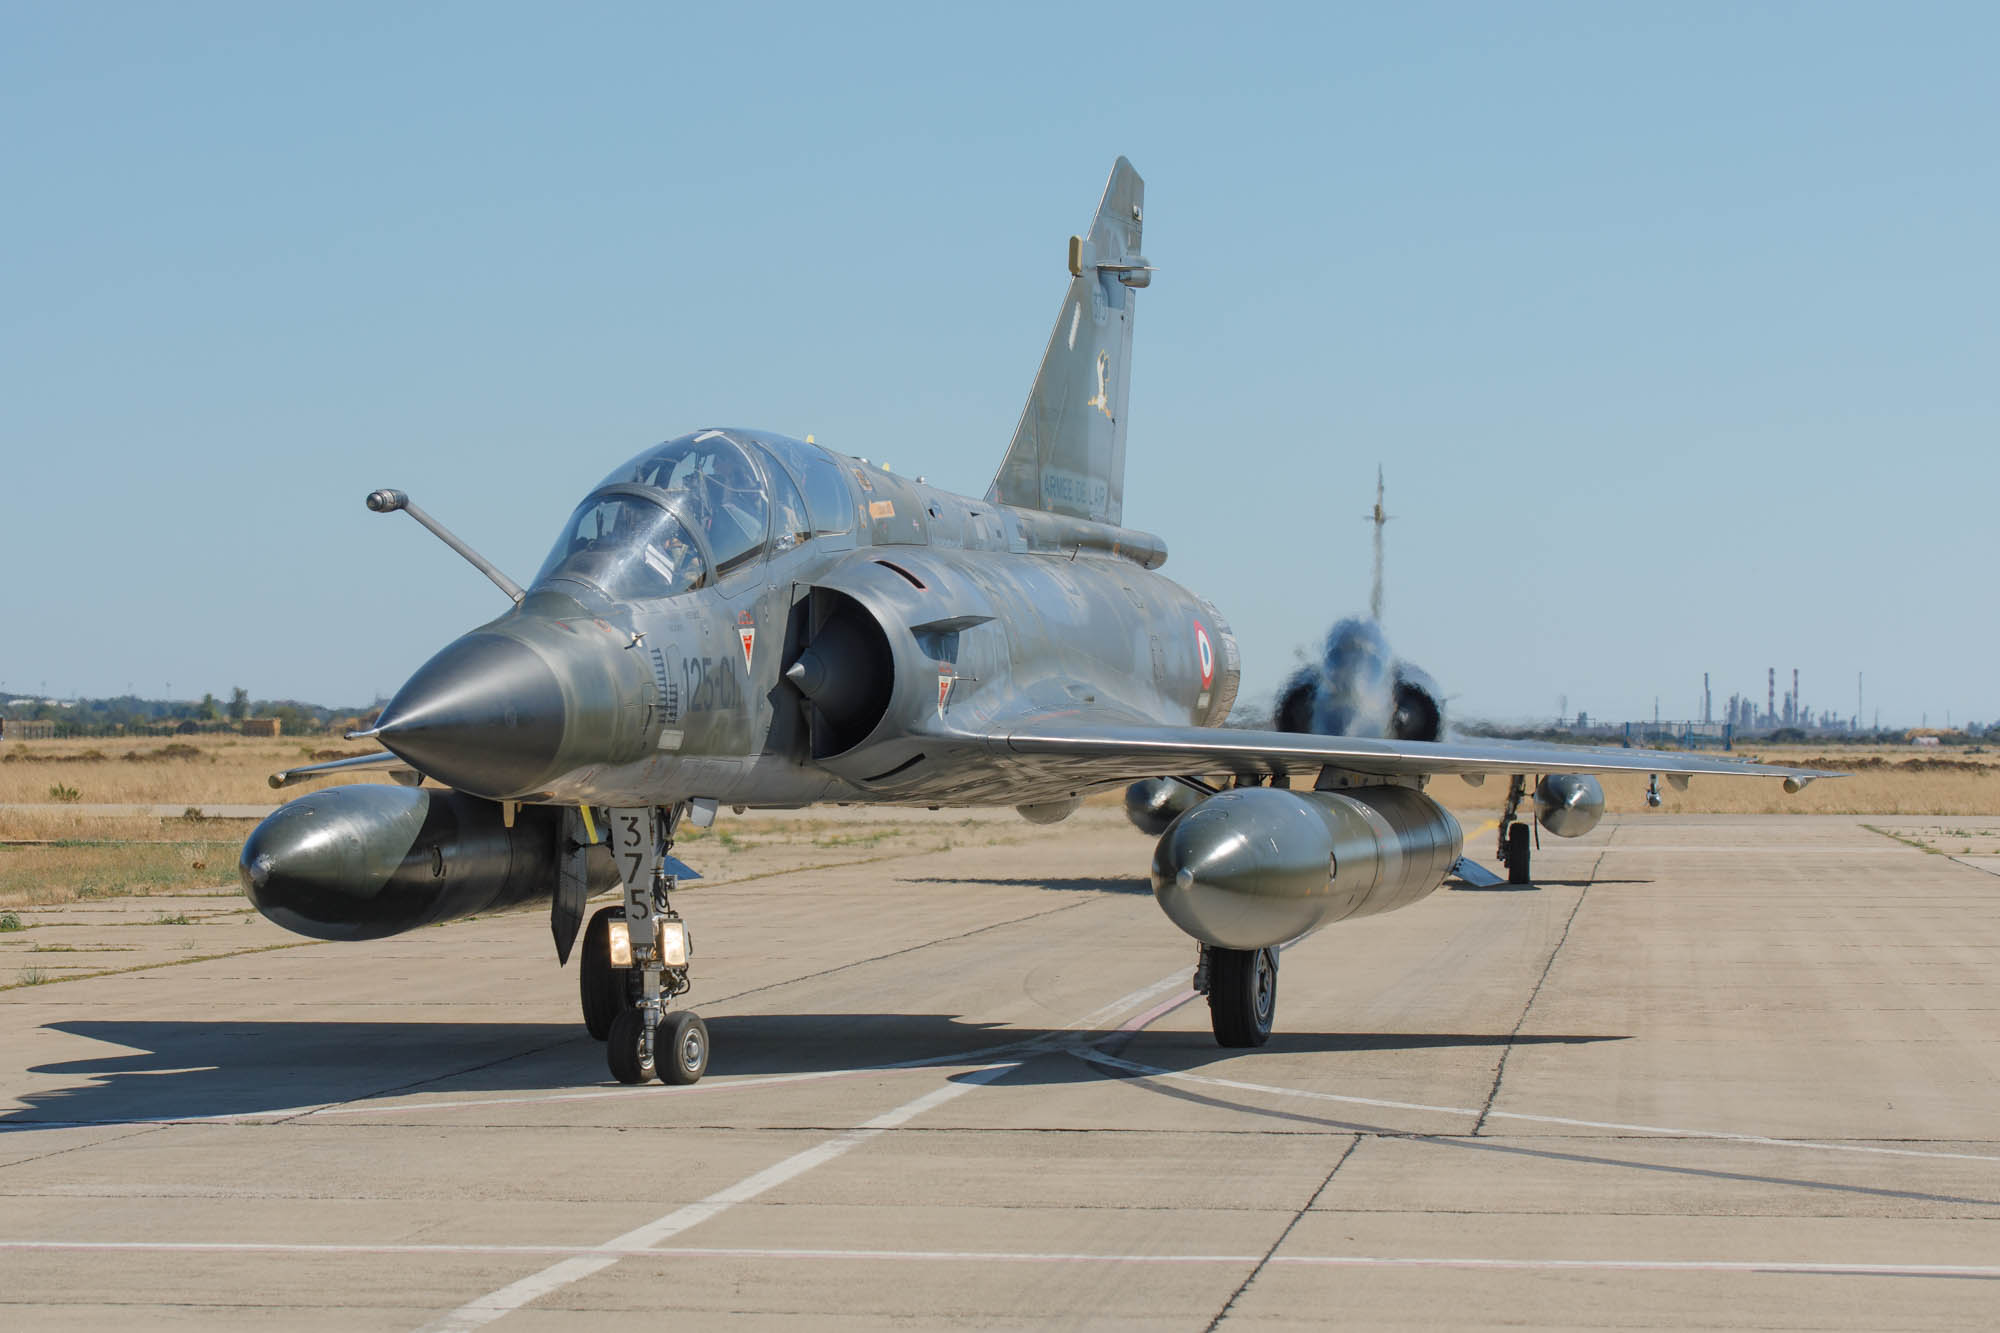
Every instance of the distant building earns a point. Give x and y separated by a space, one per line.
22 730
262 726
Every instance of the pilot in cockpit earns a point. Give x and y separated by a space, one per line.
730 504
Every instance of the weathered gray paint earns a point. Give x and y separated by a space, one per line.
931 649
1068 451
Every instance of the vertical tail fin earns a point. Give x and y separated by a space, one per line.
1068 452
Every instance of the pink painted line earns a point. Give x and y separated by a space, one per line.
1794 1266
1157 1012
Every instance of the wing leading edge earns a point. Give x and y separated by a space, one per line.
1112 753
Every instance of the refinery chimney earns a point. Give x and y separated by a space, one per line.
1770 696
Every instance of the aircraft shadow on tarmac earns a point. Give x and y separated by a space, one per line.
1030 882
1141 886
173 1070
1460 886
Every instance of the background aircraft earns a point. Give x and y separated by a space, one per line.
1357 687
737 618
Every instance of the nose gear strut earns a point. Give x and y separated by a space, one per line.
643 1042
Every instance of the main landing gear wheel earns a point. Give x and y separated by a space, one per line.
1242 995
1514 833
1517 853
629 1049
684 1045
606 991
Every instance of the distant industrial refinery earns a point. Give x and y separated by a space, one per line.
1741 718
1741 712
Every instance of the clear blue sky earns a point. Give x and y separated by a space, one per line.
1677 328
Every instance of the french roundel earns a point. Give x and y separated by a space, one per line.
1205 653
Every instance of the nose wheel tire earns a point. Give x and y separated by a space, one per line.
682 1045
678 1052
605 990
1242 995
631 1057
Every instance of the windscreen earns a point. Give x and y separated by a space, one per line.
628 547
719 488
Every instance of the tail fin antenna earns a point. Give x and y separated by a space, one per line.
1068 451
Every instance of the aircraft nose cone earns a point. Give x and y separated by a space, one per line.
485 715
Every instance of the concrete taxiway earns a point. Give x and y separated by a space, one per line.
1708 1071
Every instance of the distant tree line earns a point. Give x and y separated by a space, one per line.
131 715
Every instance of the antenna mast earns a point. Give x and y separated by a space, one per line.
1379 517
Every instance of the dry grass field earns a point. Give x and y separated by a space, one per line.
61 851
1884 780
190 770
57 848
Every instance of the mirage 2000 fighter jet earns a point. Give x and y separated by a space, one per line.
737 618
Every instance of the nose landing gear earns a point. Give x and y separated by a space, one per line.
635 959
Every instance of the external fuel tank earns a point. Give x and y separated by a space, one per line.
1257 866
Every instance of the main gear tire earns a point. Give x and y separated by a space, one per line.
605 991
1242 995
1517 853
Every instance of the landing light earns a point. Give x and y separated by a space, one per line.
621 944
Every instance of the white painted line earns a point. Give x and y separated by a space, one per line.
1092 1056
601 1255
1125 1004
497 1304
1143 1021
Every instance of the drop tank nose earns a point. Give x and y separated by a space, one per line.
1257 866
486 715
1245 869
318 865
363 863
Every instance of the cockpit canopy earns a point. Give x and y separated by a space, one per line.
629 545
721 491
697 508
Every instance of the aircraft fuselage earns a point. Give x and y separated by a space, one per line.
931 618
